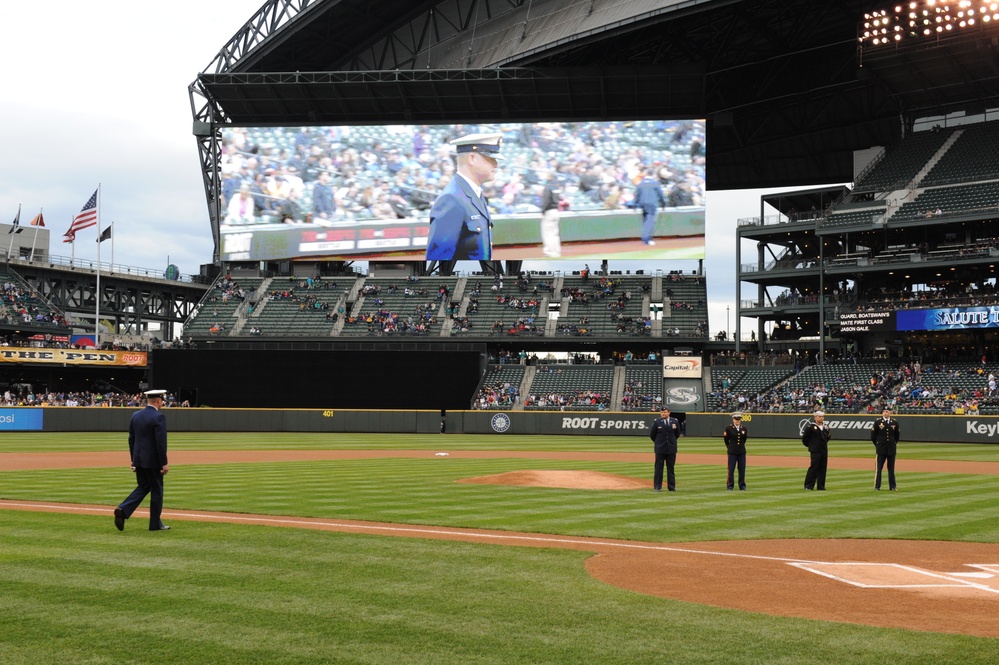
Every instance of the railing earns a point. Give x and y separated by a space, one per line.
778 219
105 267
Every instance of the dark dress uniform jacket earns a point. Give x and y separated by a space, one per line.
884 436
147 439
816 438
735 439
663 435
460 227
649 196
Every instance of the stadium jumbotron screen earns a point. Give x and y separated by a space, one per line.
365 192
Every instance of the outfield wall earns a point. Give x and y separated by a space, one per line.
958 429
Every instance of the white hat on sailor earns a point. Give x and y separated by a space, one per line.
486 144
155 393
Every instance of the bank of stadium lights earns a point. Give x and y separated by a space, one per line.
925 19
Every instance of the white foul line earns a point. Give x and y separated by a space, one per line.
804 564
232 517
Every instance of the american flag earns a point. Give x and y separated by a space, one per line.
86 218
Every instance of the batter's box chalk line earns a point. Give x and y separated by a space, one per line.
897 576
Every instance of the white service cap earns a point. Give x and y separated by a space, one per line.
486 144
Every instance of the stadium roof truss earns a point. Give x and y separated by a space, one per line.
787 90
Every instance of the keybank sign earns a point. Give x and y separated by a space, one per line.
975 427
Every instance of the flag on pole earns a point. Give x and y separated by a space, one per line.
17 222
105 235
38 220
87 216
69 236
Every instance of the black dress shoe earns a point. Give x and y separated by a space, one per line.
163 527
119 519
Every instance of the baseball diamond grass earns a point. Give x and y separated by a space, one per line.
74 590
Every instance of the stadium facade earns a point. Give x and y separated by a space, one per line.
786 93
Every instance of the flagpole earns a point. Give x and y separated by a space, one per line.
97 309
112 246
35 239
13 231
72 247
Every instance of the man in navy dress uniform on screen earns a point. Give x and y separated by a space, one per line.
460 226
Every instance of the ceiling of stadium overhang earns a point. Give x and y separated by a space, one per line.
786 91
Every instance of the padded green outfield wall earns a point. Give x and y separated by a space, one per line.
958 429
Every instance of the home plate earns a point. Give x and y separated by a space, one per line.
879 575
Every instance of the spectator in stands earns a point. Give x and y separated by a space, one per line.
241 207
290 211
664 433
323 205
885 436
815 436
735 436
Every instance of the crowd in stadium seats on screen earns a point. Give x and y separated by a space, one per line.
327 174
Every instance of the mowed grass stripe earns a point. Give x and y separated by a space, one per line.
637 443
218 593
213 593
426 492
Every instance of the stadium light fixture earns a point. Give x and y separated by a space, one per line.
924 20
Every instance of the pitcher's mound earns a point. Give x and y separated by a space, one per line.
576 480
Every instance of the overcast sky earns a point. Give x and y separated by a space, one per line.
99 96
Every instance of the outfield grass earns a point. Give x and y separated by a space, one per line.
74 590
101 441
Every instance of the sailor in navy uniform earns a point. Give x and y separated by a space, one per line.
815 436
460 226
664 433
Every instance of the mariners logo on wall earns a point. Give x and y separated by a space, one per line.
500 422
682 395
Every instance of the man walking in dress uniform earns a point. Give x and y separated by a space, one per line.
147 448
460 226
649 198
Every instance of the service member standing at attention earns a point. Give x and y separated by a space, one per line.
884 436
147 447
735 441
664 433
815 436
460 226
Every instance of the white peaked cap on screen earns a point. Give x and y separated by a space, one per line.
155 393
487 144
819 413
